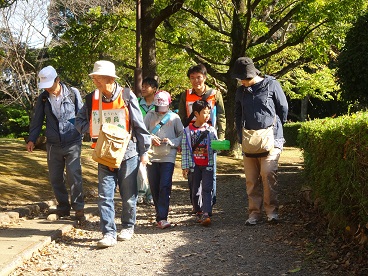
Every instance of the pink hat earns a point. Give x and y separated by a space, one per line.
162 98
162 101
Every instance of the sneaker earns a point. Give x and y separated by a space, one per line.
126 234
163 224
205 220
199 217
61 213
79 215
106 241
251 221
140 200
149 201
274 218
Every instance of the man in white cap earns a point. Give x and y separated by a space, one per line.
119 106
60 104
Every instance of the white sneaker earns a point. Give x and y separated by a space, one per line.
106 241
273 218
251 221
163 224
126 234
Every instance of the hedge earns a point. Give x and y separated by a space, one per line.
336 165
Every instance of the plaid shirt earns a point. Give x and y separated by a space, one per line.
187 160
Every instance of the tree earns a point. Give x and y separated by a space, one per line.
280 36
22 39
352 64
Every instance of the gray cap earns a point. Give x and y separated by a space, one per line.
244 69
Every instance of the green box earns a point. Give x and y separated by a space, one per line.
220 144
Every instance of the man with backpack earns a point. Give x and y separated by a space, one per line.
60 104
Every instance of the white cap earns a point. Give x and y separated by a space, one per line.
104 68
47 77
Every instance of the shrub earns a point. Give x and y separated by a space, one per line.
336 165
14 121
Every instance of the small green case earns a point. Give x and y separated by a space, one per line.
220 144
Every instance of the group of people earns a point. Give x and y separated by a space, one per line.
156 135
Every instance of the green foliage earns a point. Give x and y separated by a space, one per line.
314 81
352 63
14 121
95 36
291 131
336 164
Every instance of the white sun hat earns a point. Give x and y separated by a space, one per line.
47 77
104 68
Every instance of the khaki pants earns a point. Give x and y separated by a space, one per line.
261 182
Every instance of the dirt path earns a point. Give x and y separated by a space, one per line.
228 247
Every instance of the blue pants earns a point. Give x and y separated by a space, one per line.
126 179
59 160
197 175
160 180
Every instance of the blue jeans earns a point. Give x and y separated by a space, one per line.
204 174
126 179
160 180
60 159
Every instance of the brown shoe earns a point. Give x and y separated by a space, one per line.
61 213
79 215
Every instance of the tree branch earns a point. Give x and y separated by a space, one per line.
289 43
165 13
276 27
206 21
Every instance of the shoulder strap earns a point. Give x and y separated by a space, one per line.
162 122
208 93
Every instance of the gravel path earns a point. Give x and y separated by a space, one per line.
227 247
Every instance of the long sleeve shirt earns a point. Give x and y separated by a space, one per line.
172 129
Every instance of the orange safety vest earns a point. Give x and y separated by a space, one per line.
115 112
191 97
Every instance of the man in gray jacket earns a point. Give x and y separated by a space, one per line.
120 107
260 103
60 104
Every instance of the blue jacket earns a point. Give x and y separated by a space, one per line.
141 138
61 133
257 106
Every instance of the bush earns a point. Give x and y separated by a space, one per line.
14 121
336 165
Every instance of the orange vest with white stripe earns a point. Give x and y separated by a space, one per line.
115 112
191 97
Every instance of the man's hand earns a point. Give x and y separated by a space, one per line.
30 146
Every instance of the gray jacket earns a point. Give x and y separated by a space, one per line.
141 138
257 106
60 132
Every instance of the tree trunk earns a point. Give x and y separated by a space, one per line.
304 108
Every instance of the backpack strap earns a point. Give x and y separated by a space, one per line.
162 122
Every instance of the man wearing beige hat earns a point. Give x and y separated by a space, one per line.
119 106
60 104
